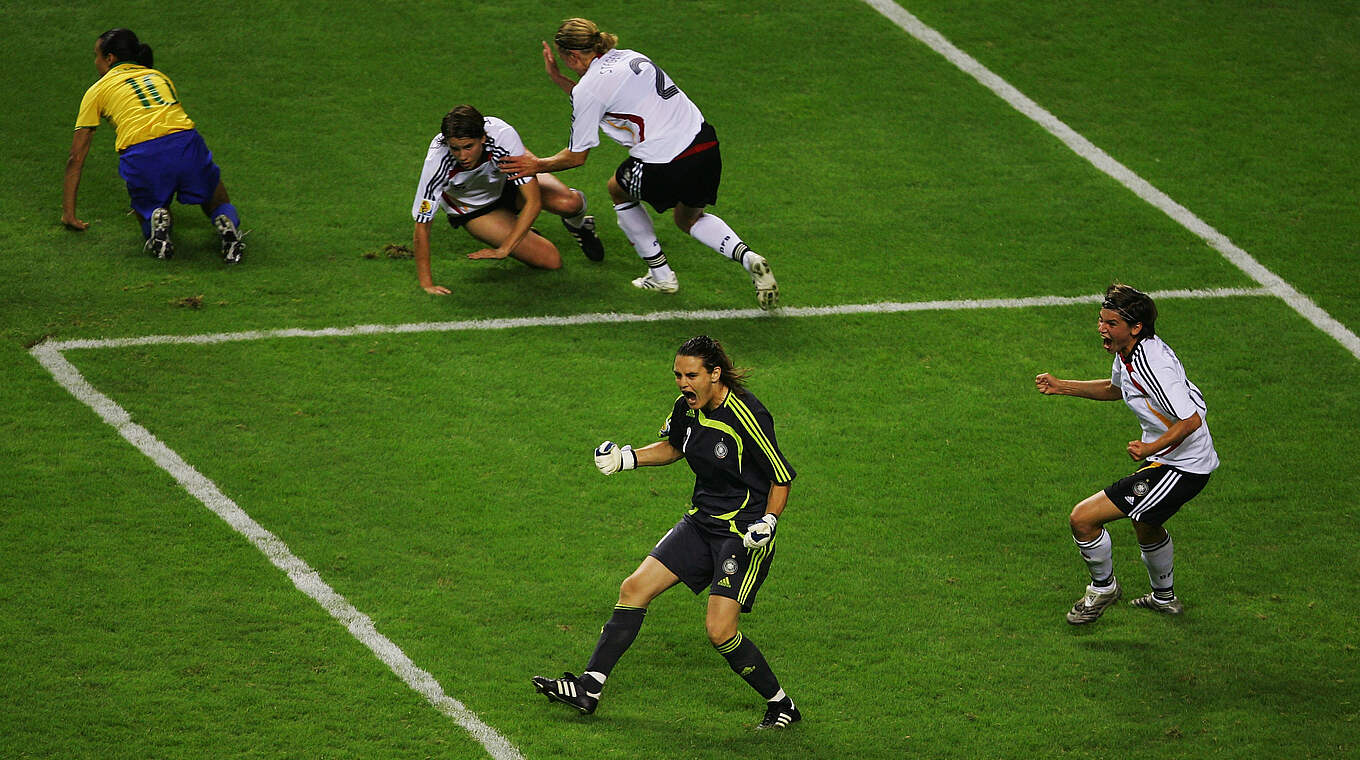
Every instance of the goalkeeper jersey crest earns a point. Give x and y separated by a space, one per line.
735 458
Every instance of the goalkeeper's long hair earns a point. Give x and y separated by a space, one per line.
711 353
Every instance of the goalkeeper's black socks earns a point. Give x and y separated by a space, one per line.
615 638
746 661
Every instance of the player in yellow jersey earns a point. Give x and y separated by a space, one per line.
160 154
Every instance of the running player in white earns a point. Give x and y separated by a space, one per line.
673 157
461 176
1176 445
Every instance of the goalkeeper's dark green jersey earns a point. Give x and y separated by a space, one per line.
735 458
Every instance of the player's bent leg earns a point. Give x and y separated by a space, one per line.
713 232
1089 517
570 204
534 250
1087 522
646 583
721 619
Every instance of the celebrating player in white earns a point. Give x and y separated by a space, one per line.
1176 444
461 176
673 157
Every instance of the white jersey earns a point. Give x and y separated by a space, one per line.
1156 389
443 184
636 104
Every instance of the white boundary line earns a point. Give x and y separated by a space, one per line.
611 317
1122 174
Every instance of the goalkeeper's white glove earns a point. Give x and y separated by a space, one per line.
610 458
760 532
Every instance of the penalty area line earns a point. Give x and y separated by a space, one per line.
599 318
307 580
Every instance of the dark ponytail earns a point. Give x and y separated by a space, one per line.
124 45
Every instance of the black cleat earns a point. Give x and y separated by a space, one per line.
780 714
568 690
586 238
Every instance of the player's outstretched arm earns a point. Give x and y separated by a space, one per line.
1100 390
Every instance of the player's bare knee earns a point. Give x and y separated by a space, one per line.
720 631
1082 528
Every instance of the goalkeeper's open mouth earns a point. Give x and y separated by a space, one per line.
691 397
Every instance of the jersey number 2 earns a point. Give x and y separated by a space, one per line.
662 90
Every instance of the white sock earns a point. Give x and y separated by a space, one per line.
579 218
599 677
1159 558
713 232
636 224
779 696
1099 556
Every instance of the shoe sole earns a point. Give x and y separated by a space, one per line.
767 289
159 243
232 251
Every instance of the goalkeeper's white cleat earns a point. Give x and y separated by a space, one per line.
650 282
767 289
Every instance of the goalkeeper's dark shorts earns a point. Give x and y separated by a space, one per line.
1155 492
720 564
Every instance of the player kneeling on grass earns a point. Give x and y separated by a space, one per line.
160 154
1176 447
461 175
724 543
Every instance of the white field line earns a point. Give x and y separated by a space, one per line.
1122 174
307 580
614 318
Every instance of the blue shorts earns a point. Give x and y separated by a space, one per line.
177 164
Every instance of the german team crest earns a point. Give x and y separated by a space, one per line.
1140 488
720 450
729 566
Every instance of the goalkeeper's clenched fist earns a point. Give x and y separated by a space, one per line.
610 458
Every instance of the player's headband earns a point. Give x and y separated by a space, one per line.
1129 318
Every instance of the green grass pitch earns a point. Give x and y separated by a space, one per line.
440 481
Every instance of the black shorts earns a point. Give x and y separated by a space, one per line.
720 564
509 201
690 178
1155 492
